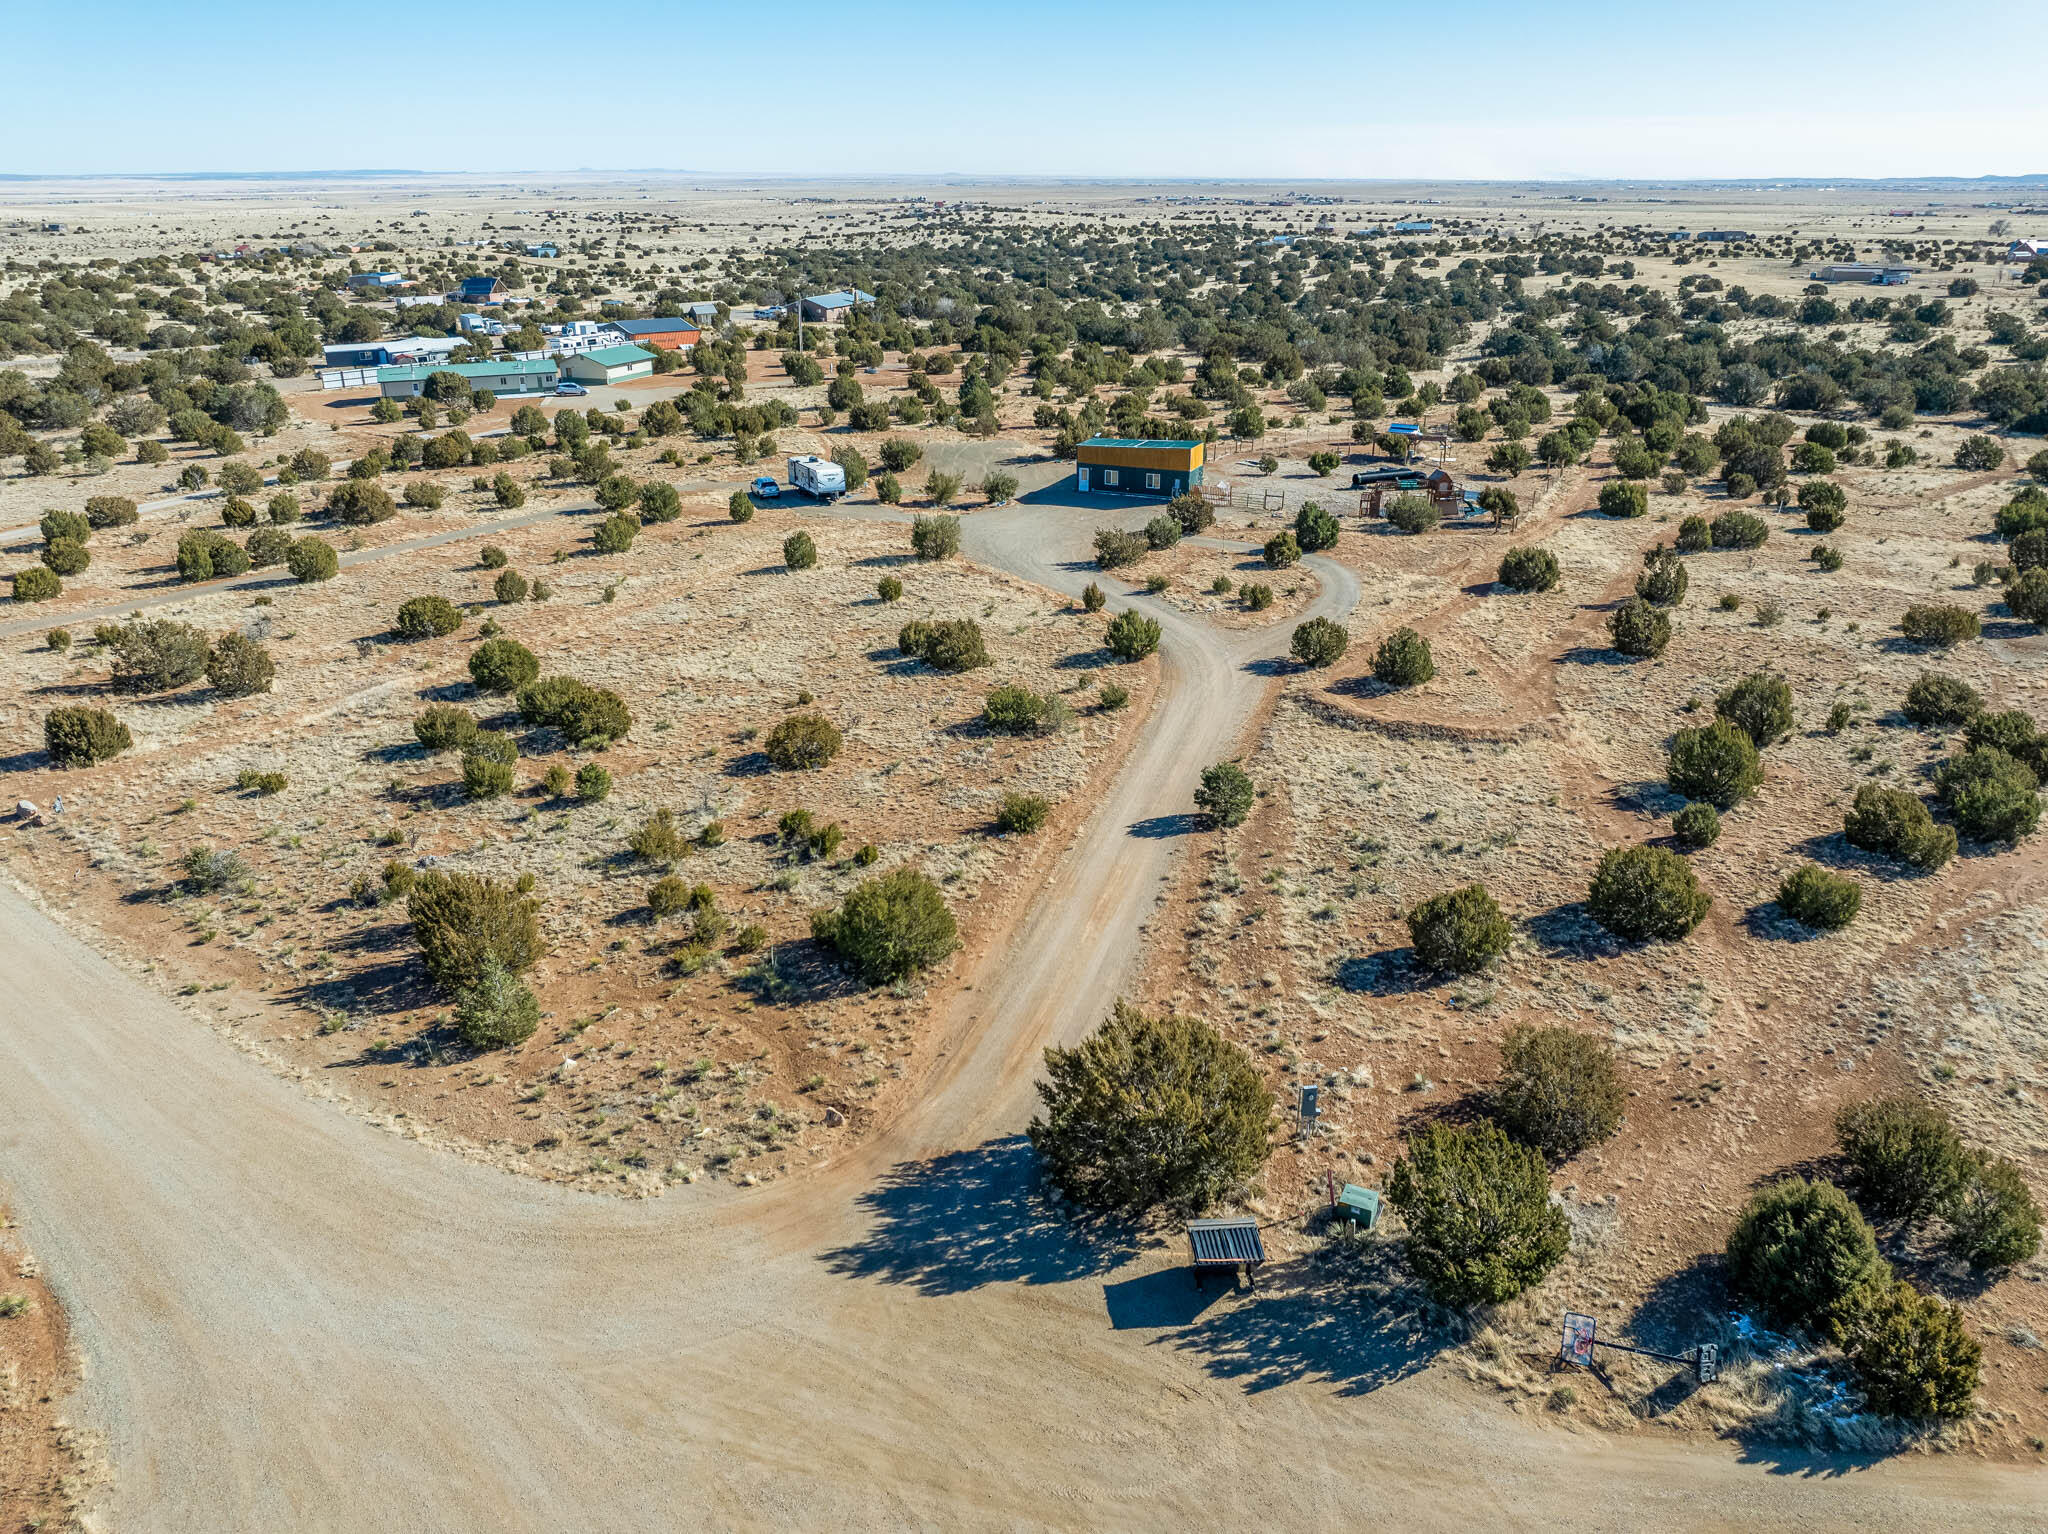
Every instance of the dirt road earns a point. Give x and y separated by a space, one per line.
293 1320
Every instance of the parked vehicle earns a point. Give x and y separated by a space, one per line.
765 488
566 387
816 476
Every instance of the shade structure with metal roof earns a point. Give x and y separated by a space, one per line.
1226 1243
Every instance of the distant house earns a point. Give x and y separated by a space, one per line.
704 312
479 290
503 377
1134 466
1415 226
375 282
362 354
2026 250
1725 236
546 251
828 307
610 365
675 335
1862 271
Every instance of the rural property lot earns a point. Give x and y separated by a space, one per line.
732 1237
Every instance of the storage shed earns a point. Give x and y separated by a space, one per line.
1138 466
610 365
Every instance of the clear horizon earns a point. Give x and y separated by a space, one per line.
1588 90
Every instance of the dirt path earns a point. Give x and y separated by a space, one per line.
294 1320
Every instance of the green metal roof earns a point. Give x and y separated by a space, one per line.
400 371
1142 442
617 356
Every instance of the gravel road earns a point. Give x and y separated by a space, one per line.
294 1320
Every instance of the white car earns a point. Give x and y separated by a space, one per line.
765 488
566 387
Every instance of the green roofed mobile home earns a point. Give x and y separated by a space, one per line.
407 380
1137 466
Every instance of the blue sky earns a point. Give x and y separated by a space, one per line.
1489 88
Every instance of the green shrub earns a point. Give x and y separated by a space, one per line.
803 742
1481 1226
157 655
1193 511
1813 897
1801 1256
424 495
1717 763
1760 705
658 840
312 560
444 727
497 1011
659 502
889 589
1162 532
1939 701
1991 794
1622 498
1894 823
1115 548
1639 629
615 534
1411 514
1528 569
952 644
77 736
1403 660
1314 528
740 507
1013 710
1459 932
236 512
1112 697
890 927
1939 624
263 784
1739 530
2012 731
360 503
1022 814
1319 642
111 511
1993 1219
1642 893
427 617
1980 453
580 713
935 537
667 896
35 583
1911 1356
502 665
1664 578
510 587
1559 1090
487 765
204 554
59 640
65 556
1092 599
463 922
491 557
1131 636
1905 1159
65 526
1694 536
799 552
1696 826
268 547
1256 595
593 783
1282 550
239 667
1147 1112
1225 794
211 869
2027 597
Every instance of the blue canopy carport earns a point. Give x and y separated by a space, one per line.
1229 1243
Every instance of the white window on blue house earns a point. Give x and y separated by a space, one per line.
1151 481
1109 477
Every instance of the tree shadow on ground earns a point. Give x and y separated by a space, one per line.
26 761
1159 827
1767 922
1595 655
1087 660
397 985
964 1220
1364 685
1568 931
748 764
1357 1327
801 972
1272 665
1834 850
1390 972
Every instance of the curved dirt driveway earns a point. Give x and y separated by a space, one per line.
295 1321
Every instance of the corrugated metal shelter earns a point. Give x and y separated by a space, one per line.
1232 1243
1138 466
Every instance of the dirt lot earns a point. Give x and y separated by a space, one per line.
1535 747
47 1461
640 1073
